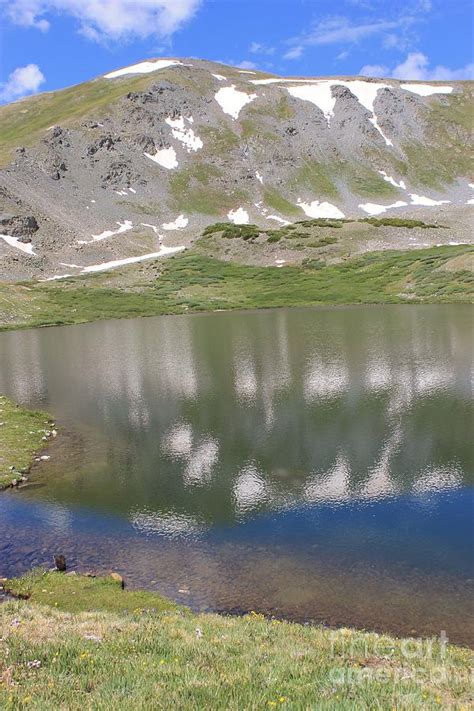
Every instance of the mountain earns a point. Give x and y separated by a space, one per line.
149 155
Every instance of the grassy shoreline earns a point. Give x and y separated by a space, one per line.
195 283
23 433
81 642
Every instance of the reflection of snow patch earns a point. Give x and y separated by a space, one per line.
179 224
239 216
320 209
374 209
142 68
233 101
426 89
392 181
183 134
201 463
166 157
25 247
421 200
171 524
249 489
179 441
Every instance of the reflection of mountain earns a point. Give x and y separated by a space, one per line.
214 416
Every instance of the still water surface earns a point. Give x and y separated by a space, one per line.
314 463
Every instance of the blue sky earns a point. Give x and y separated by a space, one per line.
49 44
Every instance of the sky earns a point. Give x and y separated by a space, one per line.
50 44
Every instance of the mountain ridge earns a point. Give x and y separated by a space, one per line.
145 157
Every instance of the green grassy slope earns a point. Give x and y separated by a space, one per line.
192 283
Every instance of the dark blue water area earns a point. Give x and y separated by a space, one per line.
432 534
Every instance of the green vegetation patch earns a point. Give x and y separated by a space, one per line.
21 436
194 189
397 222
152 657
191 282
229 230
275 200
318 178
84 593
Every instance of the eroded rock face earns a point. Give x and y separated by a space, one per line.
20 226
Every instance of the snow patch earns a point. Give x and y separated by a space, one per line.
233 101
121 192
392 181
25 247
278 219
179 224
166 157
132 190
246 71
152 227
373 209
320 94
123 227
320 209
183 134
239 216
142 68
105 266
219 77
259 177
426 89
131 260
421 200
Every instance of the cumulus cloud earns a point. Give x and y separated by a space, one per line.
110 19
22 81
417 67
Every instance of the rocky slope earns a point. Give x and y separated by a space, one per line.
139 161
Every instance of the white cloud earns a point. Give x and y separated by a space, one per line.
374 70
340 30
246 65
417 67
22 81
107 19
258 48
294 53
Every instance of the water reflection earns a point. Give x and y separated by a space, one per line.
301 432
258 410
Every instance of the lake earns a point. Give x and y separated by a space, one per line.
314 464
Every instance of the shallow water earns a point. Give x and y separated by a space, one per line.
310 463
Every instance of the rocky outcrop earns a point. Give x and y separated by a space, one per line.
20 226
